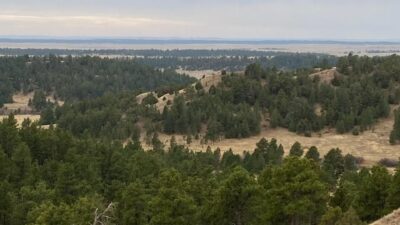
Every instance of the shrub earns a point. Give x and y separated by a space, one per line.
389 162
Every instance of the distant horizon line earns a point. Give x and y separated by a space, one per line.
184 40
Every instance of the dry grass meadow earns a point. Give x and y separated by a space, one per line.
21 108
372 145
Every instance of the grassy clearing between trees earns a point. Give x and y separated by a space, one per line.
20 101
372 145
21 118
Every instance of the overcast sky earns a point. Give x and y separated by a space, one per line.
238 19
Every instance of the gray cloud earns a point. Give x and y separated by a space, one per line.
268 19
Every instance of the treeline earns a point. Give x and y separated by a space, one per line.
76 78
168 53
282 61
195 59
51 177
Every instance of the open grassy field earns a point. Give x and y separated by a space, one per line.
21 109
20 101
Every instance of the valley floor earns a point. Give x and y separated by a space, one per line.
372 145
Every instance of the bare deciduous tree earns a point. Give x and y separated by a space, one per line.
105 217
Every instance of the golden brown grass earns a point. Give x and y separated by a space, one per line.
21 118
325 76
207 79
20 101
372 145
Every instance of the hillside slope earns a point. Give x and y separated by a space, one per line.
391 219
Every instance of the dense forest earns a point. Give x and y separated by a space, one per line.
89 166
76 78
49 176
194 59
360 92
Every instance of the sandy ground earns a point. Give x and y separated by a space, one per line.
372 145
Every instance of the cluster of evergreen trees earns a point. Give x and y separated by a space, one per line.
353 101
395 134
76 78
51 177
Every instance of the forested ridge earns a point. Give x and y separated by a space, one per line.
91 161
77 78
48 176
361 92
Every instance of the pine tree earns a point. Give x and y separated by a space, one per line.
331 216
294 192
313 154
133 205
296 150
276 118
350 218
171 205
333 164
373 194
237 200
395 134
